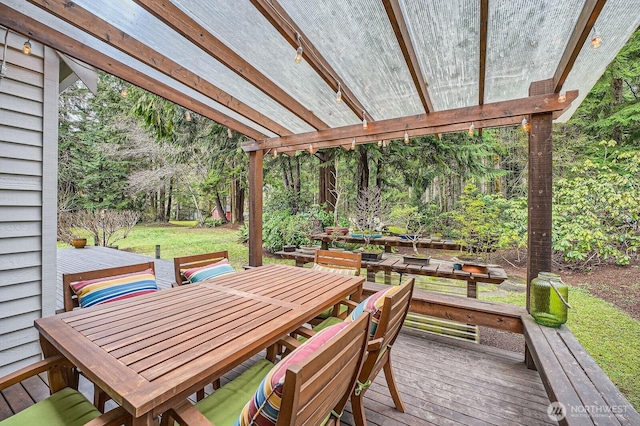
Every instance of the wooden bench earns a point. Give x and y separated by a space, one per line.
572 377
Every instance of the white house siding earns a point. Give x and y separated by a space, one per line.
28 188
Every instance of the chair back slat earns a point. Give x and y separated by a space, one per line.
341 259
195 261
71 300
324 382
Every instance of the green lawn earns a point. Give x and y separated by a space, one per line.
610 336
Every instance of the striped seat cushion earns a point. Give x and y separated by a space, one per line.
194 275
373 304
263 409
104 290
334 269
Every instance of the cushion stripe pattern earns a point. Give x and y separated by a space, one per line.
374 304
263 409
110 289
194 275
334 269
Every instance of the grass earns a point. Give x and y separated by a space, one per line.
610 335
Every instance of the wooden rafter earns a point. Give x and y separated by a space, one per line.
23 24
394 13
484 24
186 26
588 16
417 124
102 30
282 22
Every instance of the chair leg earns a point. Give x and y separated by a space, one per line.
100 398
391 384
200 395
357 409
166 420
216 384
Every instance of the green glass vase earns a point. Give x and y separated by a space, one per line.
549 300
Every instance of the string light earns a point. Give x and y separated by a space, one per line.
339 93
353 144
275 152
124 92
312 150
525 124
187 115
364 120
471 129
596 39
229 133
562 98
384 143
299 51
380 143
26 47
406 137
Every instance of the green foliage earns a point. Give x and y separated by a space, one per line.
597 208
282 227
212 223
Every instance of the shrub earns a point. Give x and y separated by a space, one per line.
212 223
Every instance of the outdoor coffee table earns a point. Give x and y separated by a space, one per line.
151 352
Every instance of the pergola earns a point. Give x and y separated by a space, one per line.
307 74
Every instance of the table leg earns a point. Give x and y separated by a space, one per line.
371 275
387 277
144 420
324 245
59 378
472 289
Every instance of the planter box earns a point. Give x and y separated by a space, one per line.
308 249
371 256
289 248
475 268
414 260
338 230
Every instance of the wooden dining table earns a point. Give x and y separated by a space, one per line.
149 353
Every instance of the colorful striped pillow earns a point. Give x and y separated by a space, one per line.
373 304
334 269
263 409
104 290
194 275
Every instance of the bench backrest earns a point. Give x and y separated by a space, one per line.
71 300
195 261
339 259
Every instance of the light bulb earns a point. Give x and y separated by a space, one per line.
299 50
187 115
229 133
406 137
275 152
364 120
124 93
562 97
525 125
26 48
596 40
339 93
312 150
471 129
379 143
353 144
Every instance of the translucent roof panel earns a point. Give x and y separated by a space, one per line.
617 21
129 17
525 43
356 38
242 27
445 35
38 14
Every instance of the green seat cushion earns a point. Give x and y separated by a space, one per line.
225 404
327 323
67 407
327 313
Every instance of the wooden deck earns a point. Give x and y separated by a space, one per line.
442 381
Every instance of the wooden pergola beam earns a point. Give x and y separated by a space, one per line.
394 13
484 24
286 26
187 27
388 129
588 17
102 30
24 24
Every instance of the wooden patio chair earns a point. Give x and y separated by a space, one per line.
317 383
65 407
389 317
183 263
71 301
337 262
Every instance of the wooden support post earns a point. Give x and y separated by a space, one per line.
371 275
255 207
472 289
540 188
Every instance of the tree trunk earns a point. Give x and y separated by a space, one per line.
296 176
363 169
616 133
238 214
221 209
161 200
327 181
169 200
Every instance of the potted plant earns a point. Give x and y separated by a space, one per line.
414 224
368 221
79 242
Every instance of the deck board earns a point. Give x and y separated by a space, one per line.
441 382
